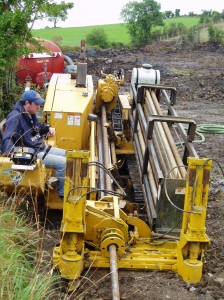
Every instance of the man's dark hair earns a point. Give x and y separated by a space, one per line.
24 101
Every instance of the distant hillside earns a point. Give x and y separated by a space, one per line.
117 33
73 35
186 20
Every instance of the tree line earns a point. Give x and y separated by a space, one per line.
142 19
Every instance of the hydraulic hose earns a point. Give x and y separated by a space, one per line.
68 60
210 128
206 128
202 140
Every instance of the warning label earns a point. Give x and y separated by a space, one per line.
180 191
74 120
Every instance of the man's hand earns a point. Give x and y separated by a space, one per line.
51 131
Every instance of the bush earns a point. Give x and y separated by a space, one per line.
192 35
215 35
97 37
117 45
69 49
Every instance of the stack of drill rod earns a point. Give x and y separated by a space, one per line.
157 155
168 154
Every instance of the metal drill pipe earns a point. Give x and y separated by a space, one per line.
169 137
92 155
108 184
191 149
159 150
170 160
113 153
140 120
100 157
150 173
164 141
158 138
114 163
114 272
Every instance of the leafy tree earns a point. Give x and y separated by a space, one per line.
216 16
141 17
205 16
222 14
14 35
58 12
168 14
192 14
97 37
16 21
177 12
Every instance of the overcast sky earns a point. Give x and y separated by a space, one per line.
99 12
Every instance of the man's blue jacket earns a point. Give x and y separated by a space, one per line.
22 129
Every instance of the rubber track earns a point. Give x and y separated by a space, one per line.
135 178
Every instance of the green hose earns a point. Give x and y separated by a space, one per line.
202 140
210 128
206 128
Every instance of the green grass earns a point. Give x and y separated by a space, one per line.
186 20
73 35
115 32
22 275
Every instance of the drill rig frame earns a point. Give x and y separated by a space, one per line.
103 225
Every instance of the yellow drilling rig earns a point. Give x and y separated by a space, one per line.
136 191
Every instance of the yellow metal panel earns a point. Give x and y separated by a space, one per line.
30 179
64 96
125 106
144 255
67 108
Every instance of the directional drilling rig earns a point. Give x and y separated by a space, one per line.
136 191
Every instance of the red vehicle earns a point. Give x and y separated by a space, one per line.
39 67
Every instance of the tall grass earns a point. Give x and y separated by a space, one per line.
21 268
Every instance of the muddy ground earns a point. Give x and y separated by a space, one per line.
198 75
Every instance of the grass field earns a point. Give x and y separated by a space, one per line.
186 20
71 36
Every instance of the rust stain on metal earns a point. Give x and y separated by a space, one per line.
192 176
